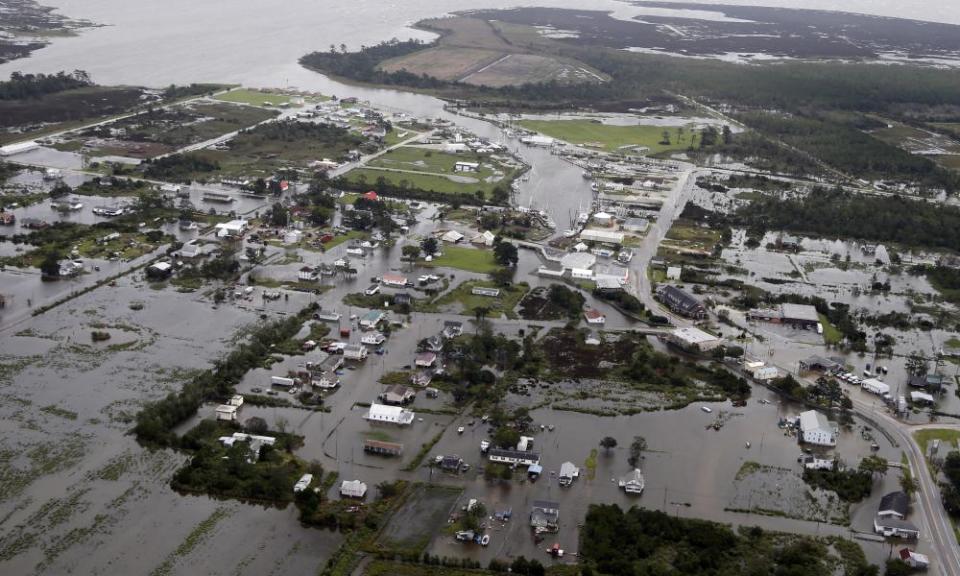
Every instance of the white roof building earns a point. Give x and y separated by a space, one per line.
485 238
353 489
603 236
816 429
674 272
452 236
389 414
231 228
690 338
578 261
633 483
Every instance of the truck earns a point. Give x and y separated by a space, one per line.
282 381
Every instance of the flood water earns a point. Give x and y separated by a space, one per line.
80 495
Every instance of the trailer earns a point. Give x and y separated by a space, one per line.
874 386
282 381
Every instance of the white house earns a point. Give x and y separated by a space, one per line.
466 166
389 414
353 489
674 272
354 352
227 412
633 483
816 429
373 339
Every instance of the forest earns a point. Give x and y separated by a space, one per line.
834 213
643 542
21 86
363 65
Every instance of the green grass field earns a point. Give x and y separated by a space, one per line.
503 305
430 182
830 333
255 98
610 138
433 170
924 437
469 259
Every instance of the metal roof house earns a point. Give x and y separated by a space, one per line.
816 429
370 320
680 302
521 457
894 505
353 489
545 515
397 395
895 528
371 446
389 415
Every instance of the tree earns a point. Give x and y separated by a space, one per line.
875 465
505 253
411 252
908 483
897 567
637 448
917 365
608 443
502 276
255 425
429 246
50 267
278 215
506 437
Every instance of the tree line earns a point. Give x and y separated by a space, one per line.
832 213
21 86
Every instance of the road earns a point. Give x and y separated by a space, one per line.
671 209
937 525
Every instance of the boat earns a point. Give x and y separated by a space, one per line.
706 409
484 446
460 430
748 445
569 233
485 540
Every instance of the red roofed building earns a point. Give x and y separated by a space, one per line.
594 316
371 195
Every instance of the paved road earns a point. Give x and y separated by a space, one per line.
936 526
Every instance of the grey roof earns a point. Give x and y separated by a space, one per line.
897 502
519 454
678 300
803 312
896 523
